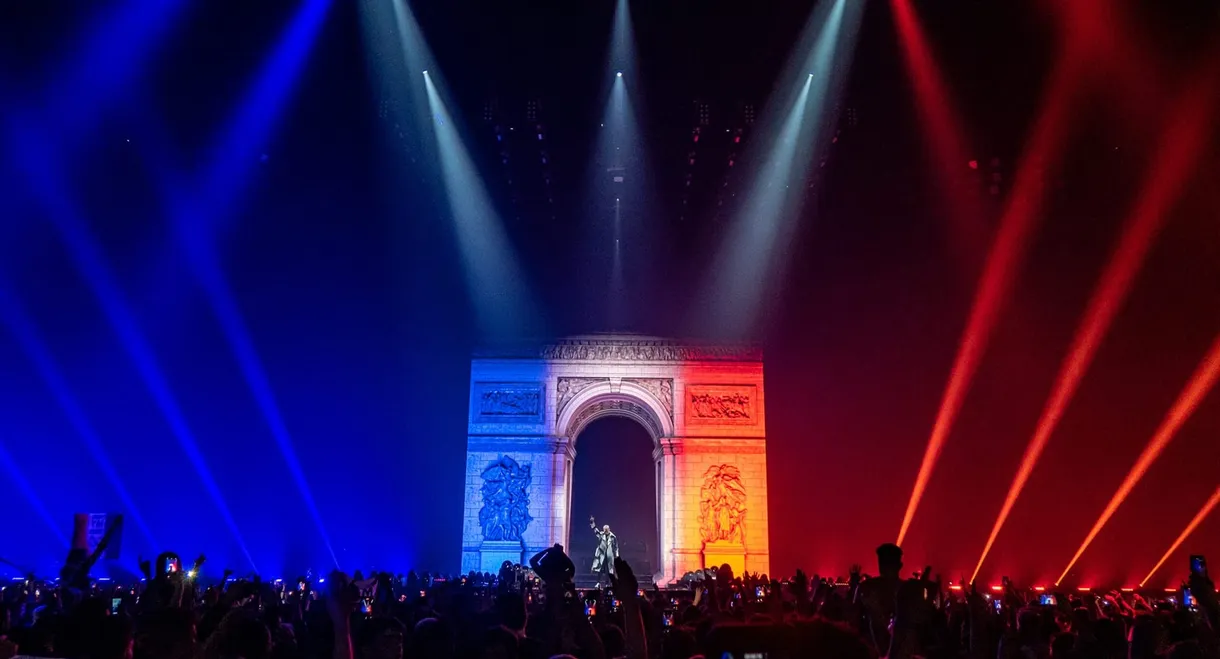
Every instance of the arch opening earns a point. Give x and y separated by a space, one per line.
613 479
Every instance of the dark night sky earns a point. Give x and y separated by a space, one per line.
348 278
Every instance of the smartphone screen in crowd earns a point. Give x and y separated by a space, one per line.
1198 565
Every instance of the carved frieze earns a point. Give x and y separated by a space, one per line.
506 501
506 402
632 409
628 350
661 388
721 405
567 388
722 505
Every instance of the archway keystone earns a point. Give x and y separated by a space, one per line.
703 405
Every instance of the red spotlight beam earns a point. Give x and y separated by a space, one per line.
1017 223
1190 528
1199 385
939 117
1181 149
1122 57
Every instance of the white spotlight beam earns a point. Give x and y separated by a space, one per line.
617 177
791 133
398 53
494 281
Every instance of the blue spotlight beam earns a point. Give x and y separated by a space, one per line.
237 152
495 284
30 495
204 266
107 62
95 74
201 215
22 327
227 174
87 256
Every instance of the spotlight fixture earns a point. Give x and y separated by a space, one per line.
619 74
425 71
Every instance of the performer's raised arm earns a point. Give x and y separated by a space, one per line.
592 524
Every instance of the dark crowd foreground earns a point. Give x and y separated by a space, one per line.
536 612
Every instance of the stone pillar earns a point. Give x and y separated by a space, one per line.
559 490
672 565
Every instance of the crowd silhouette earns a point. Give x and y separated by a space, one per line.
535 611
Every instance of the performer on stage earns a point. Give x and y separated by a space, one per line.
607 551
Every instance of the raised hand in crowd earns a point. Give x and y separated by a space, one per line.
626 589
513 616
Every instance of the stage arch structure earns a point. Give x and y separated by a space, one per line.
703 406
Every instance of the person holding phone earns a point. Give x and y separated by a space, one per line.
1200 591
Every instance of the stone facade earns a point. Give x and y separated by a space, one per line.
703 405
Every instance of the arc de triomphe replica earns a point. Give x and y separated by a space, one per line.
703 405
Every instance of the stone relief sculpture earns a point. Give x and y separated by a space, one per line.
650 351
510 402
506 500
568 388
720 406
722 505
662 388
